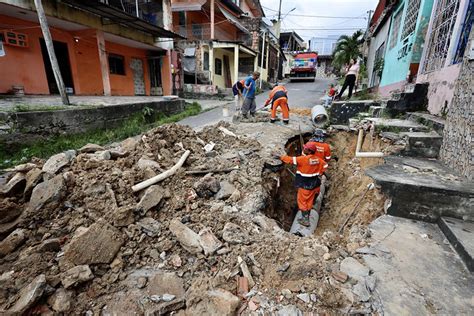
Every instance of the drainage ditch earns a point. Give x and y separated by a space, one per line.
347 181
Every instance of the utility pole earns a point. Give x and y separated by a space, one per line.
370 12
278 36
279 20
52 55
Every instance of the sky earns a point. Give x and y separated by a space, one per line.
348 16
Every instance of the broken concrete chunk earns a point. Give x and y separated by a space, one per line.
304 297
123 216
76 275
168 297
13 241
144 163
209 242
25 167
59 161
50 245
150 226
15 185
130 144
90 148
47 192
151 198
370 282
97 244
226 190
245 271
361 291
29 295
166 283
289 310
354 269
9 210
60 301
33 177
340 276
102 155
216 302
234 234
207 186
117 153
188 239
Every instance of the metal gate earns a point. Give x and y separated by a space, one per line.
138 76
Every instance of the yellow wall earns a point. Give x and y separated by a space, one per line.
219 79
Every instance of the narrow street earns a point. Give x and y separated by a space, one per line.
300 94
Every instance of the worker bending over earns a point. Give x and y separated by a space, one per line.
279 98
309 169
323 150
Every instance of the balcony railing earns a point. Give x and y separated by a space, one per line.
198 32
151 12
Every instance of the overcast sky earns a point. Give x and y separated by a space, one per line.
348 10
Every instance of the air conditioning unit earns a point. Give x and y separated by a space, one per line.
14 38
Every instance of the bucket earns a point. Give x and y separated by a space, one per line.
19 91
319 116
225 111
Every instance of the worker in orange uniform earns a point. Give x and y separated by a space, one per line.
279 98
309 169
323 150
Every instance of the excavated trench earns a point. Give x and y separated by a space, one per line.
346 184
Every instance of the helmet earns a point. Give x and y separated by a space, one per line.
310 146
318 135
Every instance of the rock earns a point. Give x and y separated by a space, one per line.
340 276
97 244
370 282
9 211
76 275
361 291
50 191
286 293
12 241
151 198
60 301
59 161
176 261
117 153
352 247
215 302
225 191
354 269
50 245
15 185
29 295
141 282
144 163
150 226
304 297
166 283
234 234
207 186
123 216
314 298
289 310
168 297
90 148
103 155
25 167
188 239
33 177
209 241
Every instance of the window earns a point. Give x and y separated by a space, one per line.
218 66
197 31
411 18
396 28
206 61
440 36
116 64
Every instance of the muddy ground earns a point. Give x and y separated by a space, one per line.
76 239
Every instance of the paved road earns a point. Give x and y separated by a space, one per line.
300 94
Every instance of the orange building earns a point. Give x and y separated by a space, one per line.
102 49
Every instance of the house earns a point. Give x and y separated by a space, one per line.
103 47
323 45
445 43
219 49
325 68
291 43
409 23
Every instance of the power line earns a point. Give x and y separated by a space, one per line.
325 29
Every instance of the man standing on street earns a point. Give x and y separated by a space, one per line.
249 95
309 169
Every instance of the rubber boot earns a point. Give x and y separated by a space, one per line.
304 220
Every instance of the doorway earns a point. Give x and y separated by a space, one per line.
227 76
138 76
62 55
156 86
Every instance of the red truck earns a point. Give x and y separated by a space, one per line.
304 67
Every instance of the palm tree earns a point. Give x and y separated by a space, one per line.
347 47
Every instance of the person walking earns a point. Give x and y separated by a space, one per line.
250 88
279 98
309 169
351 78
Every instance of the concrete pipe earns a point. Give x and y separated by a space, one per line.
319 116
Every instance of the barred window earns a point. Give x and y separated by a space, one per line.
395 29
440 36
411 17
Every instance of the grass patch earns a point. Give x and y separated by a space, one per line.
55 144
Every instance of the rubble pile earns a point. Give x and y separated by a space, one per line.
75 238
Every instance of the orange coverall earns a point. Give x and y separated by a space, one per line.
323 150
308 170
278 97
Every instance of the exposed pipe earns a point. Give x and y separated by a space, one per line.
319 116
359 154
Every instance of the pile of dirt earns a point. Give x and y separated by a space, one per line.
76 239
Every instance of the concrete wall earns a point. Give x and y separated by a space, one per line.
457 151
29 126
375 42
219 80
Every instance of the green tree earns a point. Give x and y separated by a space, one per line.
347 47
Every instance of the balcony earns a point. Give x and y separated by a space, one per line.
152 12
200 32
